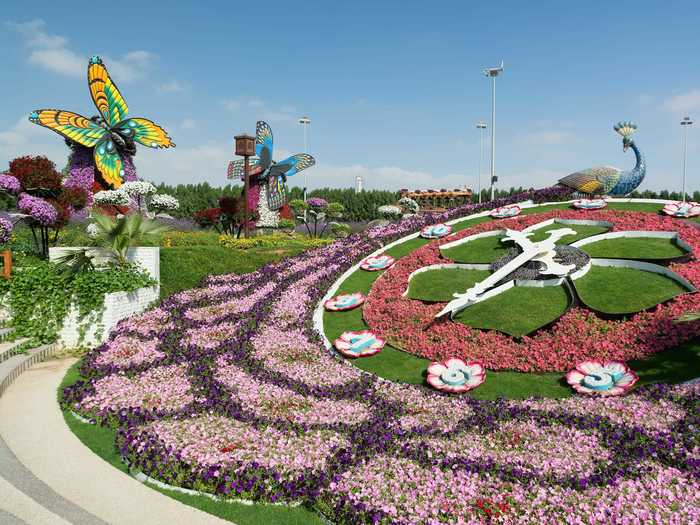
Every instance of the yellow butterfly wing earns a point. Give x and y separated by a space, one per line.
104 93
109 163
145 132
70 125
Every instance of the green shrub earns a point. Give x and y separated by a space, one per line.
39 296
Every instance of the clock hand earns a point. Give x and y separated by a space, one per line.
461 301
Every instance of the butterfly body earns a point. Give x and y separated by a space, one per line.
112 134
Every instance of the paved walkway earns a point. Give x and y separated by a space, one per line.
47 476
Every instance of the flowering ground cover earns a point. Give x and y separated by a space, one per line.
268 414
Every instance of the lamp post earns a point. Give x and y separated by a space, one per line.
685 123
245 147
481 126
493 73
305 121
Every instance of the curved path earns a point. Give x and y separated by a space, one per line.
47 476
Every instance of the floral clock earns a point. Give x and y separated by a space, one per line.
344 302
610 378
557 291
505 212
455 376
362 343
589 204
682 209
436 231
375 264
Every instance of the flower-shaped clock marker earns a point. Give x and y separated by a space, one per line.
589 204
505 212
595 378
436 231
377 263
682 209
362 343
344 302
455 376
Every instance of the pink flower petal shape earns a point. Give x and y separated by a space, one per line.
344 302
362 343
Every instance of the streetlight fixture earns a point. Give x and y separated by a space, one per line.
481 126
245 147
685 123
305 122
493 72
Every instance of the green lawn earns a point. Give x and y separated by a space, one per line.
100 440
483 250
624 290
440 285
183 267
517 311
582 231
642 248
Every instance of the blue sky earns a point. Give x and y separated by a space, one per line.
393 89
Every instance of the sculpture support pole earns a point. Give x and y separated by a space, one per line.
493 134
246 183
685 156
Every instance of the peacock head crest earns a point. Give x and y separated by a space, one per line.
626 129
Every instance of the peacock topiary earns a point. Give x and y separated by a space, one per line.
606 180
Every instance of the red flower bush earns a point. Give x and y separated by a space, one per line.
577 336
36 173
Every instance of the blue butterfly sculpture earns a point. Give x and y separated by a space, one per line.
273 173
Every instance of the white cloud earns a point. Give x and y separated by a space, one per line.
546 138
52 53
188 123
684 102
171 87
261 110
25 138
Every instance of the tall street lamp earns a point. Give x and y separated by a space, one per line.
685 123
245 147
493 73
305 121
481 126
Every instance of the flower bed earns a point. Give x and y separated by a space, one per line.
578 335
269 415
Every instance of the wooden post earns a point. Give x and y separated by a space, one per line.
6 264
246 171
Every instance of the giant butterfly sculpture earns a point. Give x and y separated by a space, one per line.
112 134
263 170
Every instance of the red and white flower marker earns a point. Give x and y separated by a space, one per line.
589 204
344 302
380 262
504 212
456 376
359 344
596 378
436 231
682 209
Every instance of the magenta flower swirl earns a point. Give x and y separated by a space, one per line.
505 212
359 344
610 378
344 302
375 264
456 376
436 231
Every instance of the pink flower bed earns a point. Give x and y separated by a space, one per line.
211 336
215 440
577 336
160 388
275 402
124 351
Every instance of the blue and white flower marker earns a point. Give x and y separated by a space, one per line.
436 231
589 204
344 302
456 376
612 378
380 262
358 344
505 212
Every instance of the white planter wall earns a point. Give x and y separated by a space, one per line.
117 306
